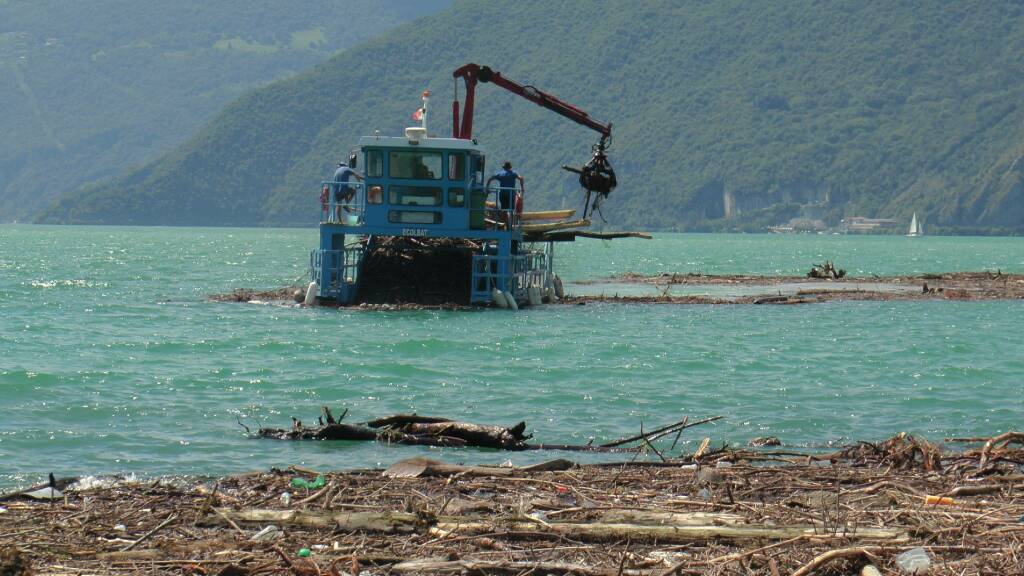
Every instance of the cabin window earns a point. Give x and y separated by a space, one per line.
374 163
478 169
415 165
410 217
457 197
414 195
457 167
375 195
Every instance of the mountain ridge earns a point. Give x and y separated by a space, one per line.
727 116
91 89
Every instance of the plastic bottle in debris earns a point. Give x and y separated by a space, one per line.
269 533
914 561
48 493
286 499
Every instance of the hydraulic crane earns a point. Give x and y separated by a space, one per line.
596 176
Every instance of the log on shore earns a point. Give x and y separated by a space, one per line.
420 467
584 532
360 521
665 534
647 517
504 568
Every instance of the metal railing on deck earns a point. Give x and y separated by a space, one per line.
336 272
486 213
538 271
513 274
342 202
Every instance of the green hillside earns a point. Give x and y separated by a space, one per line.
728 115
90 89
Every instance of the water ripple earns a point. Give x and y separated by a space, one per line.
112 361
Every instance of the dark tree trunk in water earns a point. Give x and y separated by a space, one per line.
407 429
326 432
431 431
474 434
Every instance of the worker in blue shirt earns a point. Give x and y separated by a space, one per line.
343 194
506 178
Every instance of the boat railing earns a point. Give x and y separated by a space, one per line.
486 213
514 274
335 271
342 202
537 271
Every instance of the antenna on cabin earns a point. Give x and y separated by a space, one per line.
417 133
426 99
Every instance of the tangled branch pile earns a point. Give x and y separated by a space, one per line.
826 270
428 271
434 431
727 512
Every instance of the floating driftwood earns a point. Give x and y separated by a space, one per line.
406 429
434 431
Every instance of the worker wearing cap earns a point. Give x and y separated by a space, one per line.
343 194
506 178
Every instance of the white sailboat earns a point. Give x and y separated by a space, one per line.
916 228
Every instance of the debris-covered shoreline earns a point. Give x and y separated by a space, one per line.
955 286
725 511
970 286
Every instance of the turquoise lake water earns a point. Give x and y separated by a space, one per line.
112 360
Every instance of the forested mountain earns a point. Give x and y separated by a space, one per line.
728 114
89 89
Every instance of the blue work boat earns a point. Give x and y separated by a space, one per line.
425 187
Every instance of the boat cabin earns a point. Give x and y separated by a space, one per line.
419 187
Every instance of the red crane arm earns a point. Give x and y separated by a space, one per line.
472 73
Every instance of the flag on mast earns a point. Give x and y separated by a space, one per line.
418 114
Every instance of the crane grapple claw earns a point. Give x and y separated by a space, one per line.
596 177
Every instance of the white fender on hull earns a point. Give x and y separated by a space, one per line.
311 291
499 298
533 292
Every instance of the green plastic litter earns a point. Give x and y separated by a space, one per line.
304 552
303 483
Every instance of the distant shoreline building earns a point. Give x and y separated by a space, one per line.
862 225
